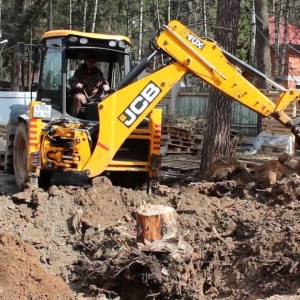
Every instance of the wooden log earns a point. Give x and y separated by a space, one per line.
155 222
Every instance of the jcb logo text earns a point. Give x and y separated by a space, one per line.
195 41
139 104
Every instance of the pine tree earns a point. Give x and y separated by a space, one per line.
217 138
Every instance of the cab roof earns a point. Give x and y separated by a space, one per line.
56 33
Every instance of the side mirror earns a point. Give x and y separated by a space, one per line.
35 87
20 51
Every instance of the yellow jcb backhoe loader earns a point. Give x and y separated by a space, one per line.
121 134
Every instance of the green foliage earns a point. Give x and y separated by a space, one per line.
117 17
244 35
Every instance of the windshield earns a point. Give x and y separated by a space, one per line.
49 68
113 70
51 78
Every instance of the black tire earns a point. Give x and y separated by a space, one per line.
20 155
45 178
8 160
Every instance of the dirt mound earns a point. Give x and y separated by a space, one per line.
230 246
22 276
242 249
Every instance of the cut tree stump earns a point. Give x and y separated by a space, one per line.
155 222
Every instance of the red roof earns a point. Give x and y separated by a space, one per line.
293 37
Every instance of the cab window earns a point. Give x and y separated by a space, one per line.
51 78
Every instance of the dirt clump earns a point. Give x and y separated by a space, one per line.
286 190
227 169
222 169
270 172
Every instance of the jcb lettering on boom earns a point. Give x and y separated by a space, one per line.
195 41
139 104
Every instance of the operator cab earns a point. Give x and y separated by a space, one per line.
61 52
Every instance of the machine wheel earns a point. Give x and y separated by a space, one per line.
8 161
20 155
45 178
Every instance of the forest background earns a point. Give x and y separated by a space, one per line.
26 20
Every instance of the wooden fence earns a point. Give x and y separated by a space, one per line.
250 123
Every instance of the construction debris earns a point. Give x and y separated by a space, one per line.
185 135
184 167
192 123
177 140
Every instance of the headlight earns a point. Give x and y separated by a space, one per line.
112 43
122 44
73 39
83 41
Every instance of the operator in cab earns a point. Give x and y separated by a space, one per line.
88 82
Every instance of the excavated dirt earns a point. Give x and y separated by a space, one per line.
239 238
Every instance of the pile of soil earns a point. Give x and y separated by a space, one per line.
23 277
238 239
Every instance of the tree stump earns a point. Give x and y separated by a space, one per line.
155 222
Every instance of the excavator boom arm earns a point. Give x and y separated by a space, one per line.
206 59
122 111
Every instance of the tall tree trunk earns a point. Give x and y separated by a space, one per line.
190 14
129 19
94 16
252 58
178 11
284 64
158 26
50 20
0 18
262 39
84 15
169 10
16 66
204 18
70 14
217 138
141 30
278 19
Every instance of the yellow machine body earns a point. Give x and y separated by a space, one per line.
121 112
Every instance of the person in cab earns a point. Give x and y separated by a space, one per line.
88 83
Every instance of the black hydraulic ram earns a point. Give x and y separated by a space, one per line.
252 70
135 72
